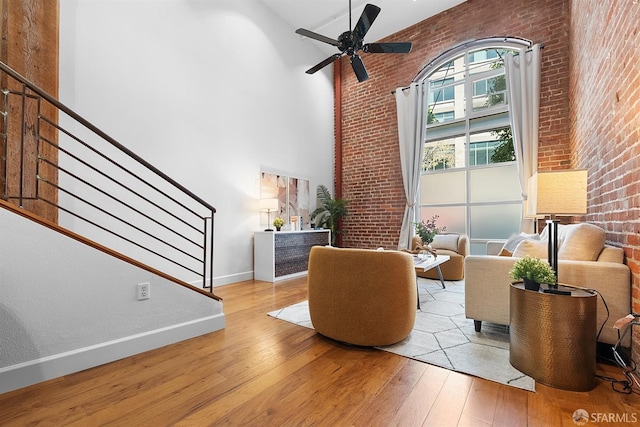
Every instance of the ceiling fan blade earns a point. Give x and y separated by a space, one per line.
400 47
358 68
324 63
317 36
369 15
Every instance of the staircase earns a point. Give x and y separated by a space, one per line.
83 222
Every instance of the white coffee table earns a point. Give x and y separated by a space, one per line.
428 262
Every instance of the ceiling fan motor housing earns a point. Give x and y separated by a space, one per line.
349 43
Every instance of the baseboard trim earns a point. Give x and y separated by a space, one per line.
50 367
232 278
224 280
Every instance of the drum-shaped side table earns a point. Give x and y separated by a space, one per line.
553 337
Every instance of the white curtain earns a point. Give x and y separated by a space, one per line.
411 129
523 83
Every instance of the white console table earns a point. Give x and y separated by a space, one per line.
279 255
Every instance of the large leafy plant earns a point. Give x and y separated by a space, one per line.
329 211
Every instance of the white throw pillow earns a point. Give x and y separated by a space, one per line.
445 241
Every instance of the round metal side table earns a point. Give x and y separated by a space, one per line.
552 338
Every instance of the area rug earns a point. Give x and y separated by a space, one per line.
442 336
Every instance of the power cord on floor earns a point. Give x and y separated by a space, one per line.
631 384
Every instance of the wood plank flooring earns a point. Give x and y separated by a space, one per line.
261 371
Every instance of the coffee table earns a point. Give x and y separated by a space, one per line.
427 262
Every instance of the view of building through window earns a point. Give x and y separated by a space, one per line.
469 174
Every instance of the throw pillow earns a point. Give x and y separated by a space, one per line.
445 241
580 242
533 248
514 240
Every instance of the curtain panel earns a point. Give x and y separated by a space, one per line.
410 107
523 83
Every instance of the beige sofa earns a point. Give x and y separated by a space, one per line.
583 260
452 244
361 296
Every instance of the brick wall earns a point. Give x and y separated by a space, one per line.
604 75
371 177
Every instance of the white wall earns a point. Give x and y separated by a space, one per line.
209 91
65 306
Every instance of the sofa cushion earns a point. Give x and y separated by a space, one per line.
445 241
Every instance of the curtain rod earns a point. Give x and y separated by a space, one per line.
393 92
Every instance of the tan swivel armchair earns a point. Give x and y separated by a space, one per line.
361 296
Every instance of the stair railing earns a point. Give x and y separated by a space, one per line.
61 167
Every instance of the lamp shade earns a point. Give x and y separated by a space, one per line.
562 192
525 211
269 205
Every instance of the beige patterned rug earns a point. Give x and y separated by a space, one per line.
442 336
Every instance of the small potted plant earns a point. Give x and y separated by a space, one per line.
278 223
533 272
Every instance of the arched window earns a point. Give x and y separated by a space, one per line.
469 174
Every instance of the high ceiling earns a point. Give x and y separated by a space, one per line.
331 17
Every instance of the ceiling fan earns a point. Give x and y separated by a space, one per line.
351 42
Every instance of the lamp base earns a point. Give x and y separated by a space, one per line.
556 291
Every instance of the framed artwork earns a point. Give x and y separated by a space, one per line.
292 194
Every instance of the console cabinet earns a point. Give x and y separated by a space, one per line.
279 255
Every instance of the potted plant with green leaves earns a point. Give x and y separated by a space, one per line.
533 272
278 223
427 229
329 211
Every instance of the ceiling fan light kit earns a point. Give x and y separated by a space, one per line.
352 41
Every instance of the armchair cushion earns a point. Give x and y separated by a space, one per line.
446 241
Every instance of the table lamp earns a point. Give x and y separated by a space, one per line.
269 205
557 193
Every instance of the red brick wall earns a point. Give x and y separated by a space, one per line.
371 164
604 111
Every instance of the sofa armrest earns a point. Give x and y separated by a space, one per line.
487 281
463 245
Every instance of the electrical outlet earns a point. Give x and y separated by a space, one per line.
143 291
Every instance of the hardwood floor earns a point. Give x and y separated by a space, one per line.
261 371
